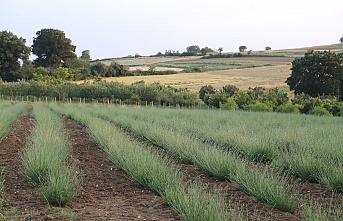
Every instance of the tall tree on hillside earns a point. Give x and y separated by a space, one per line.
341 40
205 50
99 69
242 48
53 48
220 50
86 55
12 50
194 49
317 73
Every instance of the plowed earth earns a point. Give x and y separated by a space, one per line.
107 192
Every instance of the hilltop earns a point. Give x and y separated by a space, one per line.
267 69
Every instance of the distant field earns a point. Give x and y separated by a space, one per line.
298 52
143 61
243 72
215 64
269 76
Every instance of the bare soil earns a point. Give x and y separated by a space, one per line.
107 193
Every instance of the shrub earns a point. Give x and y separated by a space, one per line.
288 108
204 90
230 89
258 107
243 98
320 111
310 104
229 105
214 100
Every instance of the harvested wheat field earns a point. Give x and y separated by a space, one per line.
268 76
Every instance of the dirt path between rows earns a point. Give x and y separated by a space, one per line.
107 193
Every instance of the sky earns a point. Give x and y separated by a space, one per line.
117 28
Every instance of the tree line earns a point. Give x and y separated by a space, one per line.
316 79
259 99
138 92
54 52
316 75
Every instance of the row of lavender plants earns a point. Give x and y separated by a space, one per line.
45 158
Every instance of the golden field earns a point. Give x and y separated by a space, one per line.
267 76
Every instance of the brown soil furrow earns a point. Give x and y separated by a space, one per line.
21 199
320 193
307 191
235 196
107 192
232 194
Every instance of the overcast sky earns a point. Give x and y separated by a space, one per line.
115 28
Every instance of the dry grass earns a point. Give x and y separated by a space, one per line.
268 76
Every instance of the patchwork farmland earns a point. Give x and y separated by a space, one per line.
121 163
194 72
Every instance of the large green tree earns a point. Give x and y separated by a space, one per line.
242 48
204 90
12 50
53 48
317 73
193 49
86 55
206 50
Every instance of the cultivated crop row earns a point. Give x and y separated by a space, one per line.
152 171
265 184
306 146
9 113
45 158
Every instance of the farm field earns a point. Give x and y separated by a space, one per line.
242 72
228 165
270 70
143 61
267 76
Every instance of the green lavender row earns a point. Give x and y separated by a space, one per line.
44 160
9 113
268 187
152 171
306 146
